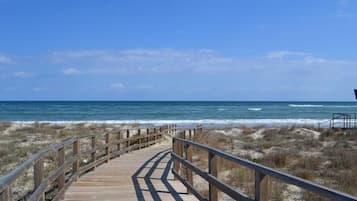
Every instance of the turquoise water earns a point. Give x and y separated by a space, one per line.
187 112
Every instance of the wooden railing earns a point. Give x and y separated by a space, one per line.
69 168
183 169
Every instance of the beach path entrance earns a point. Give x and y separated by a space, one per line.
140 175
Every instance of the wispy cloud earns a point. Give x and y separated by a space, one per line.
201 61
22 74
140 60
5 59
283 54
342 9
71 71
117 85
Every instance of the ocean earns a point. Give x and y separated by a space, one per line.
209 113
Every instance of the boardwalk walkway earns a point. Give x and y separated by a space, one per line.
140 175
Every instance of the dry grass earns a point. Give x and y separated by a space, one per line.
329 159
277 159
19 141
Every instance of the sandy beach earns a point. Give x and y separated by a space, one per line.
324 156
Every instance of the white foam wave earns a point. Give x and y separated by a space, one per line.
252 122
340 106
307 105
221 109
255 109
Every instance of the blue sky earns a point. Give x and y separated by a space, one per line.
178 50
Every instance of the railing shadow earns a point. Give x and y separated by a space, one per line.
155 161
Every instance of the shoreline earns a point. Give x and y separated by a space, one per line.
185 123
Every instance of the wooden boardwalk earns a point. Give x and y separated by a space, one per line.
140 175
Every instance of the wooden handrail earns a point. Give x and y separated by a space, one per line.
261 173
58 176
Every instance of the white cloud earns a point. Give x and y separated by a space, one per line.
123 87
343 10
141 60
117 85
71 71
283 54
22 74
166 62
5 59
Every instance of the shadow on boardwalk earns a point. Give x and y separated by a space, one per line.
156 171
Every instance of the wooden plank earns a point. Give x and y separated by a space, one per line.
154 137
140 139
61 178
189 175
118 139
38 176
107 148
141 175
128 137
76 150
213 170
262 187
147 137
176 164
94 148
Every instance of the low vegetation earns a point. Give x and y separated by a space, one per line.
324 156
19 141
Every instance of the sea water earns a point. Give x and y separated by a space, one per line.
213 113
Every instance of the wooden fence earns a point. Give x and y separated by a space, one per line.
99 148
183 170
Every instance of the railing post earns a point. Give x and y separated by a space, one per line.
139 136
128 139
118 144
262 187
107 146
154 137
147 136
188 156
176 165
61 178
6 195
75 151
94 150
180 151
213 170
38 176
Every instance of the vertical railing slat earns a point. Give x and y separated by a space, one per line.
188 157
212 170
118 144
38 176
262 187
94 151
61 178
147 137
140 139
175 150
128 138
107 146
76 148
